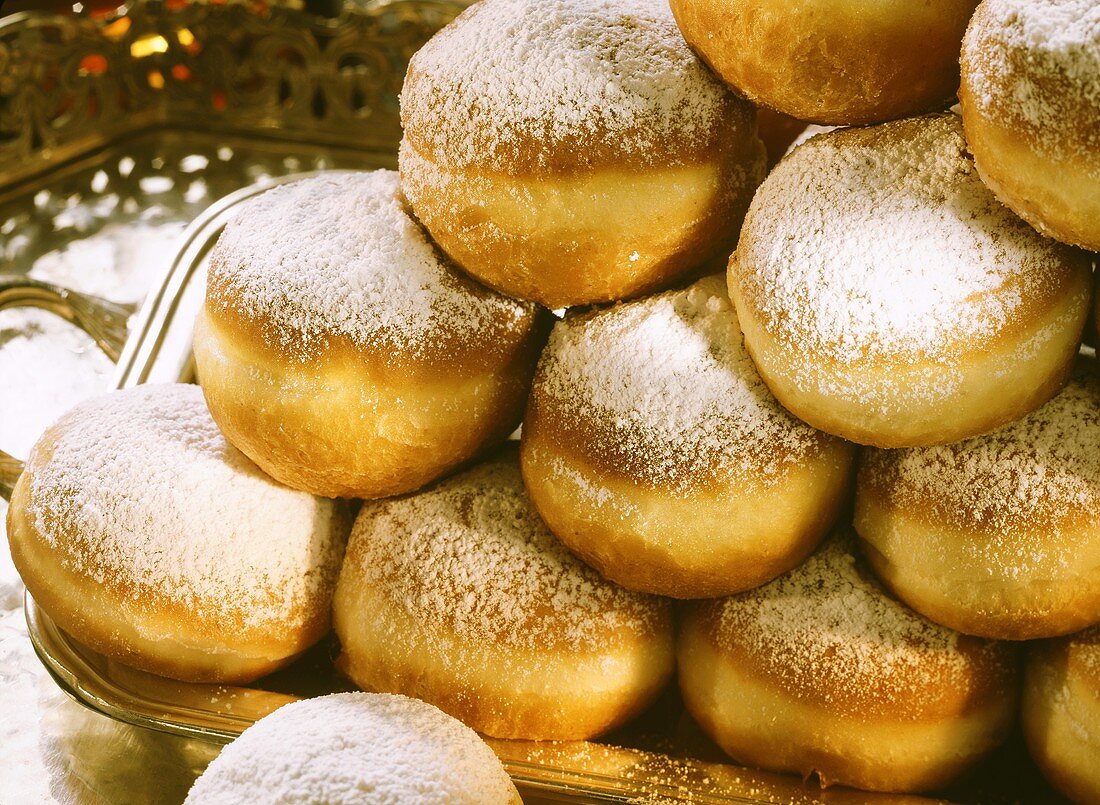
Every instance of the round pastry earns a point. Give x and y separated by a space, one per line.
1030 101
572 152
822 672
886 296
146 536
1061 712
838 63
997 536
356 749
460 596
341 352
653 450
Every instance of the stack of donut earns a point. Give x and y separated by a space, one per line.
900 323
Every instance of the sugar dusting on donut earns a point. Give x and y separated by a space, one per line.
1037 63
590 490
156 499
1040 469
1086 650
473 553
671 390
884 243
352 748
1081 651
512 74
828 624
340 255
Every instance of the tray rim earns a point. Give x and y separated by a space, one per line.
164 298
581 786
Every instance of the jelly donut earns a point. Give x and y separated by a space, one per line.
1061 712
886 296
822 672
356 749
836 62
1030 101
460 596
653 450
341 352
572 152
148 537
999 535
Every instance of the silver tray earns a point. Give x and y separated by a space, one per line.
660 756
159 350
301 93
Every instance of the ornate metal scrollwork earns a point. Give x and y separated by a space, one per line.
71 84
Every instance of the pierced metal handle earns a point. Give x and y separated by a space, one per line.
103 320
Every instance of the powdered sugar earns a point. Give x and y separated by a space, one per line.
1085 648
1036 64
355 749
339 255
48 365
884 243
1016 483
151 496
671 394
514 76
576 483
1078 677
473 553
808 133
828 623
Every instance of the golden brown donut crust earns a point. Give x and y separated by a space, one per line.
287 323
1061 712
653 450
820 672
995 536
460 596
350 429
709 543
362 364
1030 99
835 62
858 229
603 235
503 692
171 640
582 154
151 621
